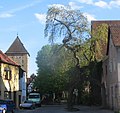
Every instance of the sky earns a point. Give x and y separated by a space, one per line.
27 19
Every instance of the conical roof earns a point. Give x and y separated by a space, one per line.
17 47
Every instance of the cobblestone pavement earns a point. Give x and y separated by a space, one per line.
62 109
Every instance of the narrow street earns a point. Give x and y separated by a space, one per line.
62 109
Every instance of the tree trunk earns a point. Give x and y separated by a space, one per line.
73 84
70 101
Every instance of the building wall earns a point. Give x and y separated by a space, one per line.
118 74
104 87
10 83
23 87
111 77
22 60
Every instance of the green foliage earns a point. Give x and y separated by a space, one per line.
52 68
99 41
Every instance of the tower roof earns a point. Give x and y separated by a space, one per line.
17 47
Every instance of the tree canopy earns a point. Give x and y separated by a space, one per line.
53 68
68 24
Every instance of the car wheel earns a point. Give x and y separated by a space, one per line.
20 107
12 111
40 105
32 107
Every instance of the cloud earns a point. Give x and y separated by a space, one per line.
73 5
85 1
10 13
41 17
5 15
89 17
24 7
114 3
101 3
57 5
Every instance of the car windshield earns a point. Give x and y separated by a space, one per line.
34 96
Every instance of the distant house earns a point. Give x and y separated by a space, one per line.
30 81
9 79
110 89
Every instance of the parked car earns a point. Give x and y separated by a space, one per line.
9 105
27 105
3 108
35 97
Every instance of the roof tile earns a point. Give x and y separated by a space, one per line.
4 58
115 33
17 47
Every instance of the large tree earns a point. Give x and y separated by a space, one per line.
72 27
52 69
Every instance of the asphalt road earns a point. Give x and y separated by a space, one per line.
62 109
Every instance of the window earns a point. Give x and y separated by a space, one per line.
10 95
7 95
106 69
114 67
110 65
34 96
8 73
116 87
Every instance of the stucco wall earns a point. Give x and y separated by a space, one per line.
10 86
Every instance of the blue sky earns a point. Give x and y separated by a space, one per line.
27 19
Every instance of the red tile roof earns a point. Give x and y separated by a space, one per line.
115 34
108 22
5 59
